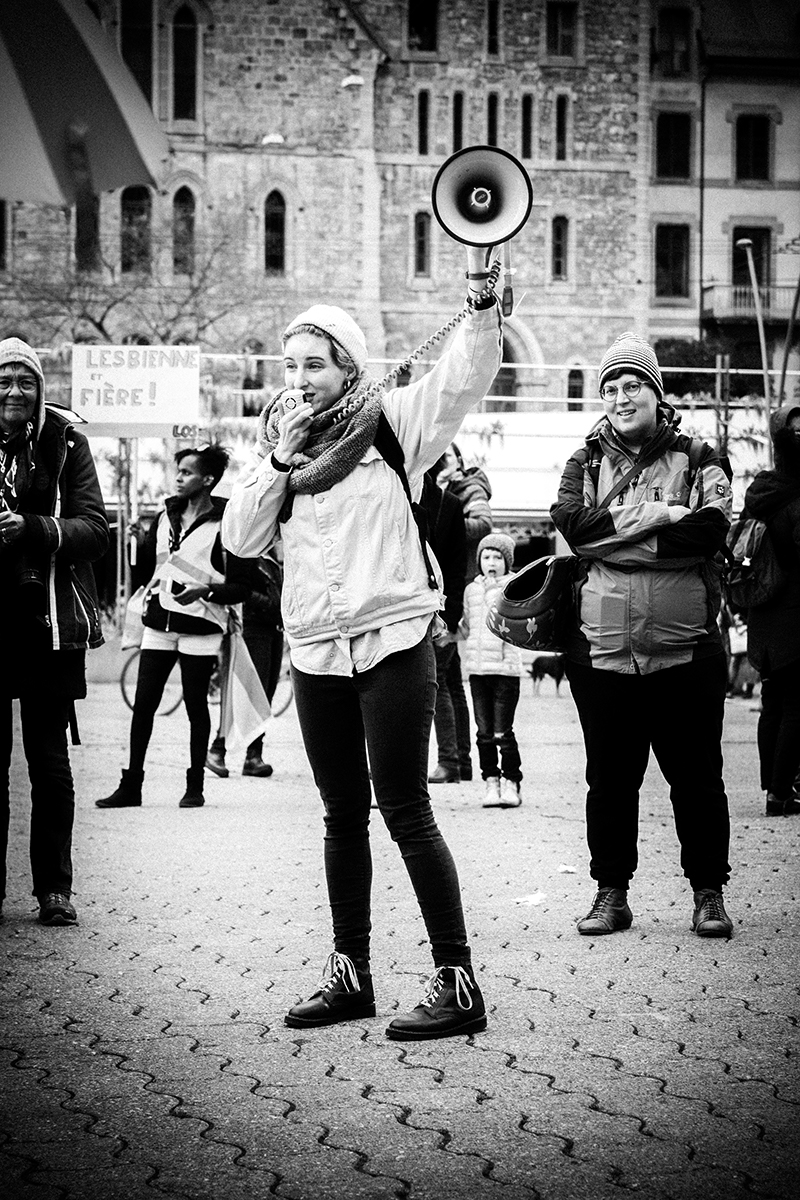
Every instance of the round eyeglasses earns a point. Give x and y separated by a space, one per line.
26 386
630 389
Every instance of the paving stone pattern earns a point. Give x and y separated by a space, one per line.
144 1054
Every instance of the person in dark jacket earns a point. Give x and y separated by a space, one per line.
470 487
448 539
647 511
263 635
773 629
52 527
185 616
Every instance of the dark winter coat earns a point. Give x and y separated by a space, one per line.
473 491
773 629
49 593
448 540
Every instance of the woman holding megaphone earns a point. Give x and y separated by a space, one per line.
343 457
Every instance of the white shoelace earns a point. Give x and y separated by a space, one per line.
462 988
339 967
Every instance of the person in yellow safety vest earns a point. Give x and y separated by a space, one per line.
185 616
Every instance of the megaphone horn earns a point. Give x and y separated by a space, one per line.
482 196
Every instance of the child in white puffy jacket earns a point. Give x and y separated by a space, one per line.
494 668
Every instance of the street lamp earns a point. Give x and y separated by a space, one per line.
746 245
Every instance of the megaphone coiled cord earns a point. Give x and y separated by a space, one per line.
380 384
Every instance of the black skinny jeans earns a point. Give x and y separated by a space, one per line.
494 700
779 730
44 737
678 713
384 713
154 670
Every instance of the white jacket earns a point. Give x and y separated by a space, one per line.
484 653
352 558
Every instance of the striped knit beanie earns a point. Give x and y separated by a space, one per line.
500 542
631 353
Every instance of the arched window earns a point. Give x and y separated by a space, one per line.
560 248
87 232
574 390
562 127
422 245
183 206
505 381
135 229
275 234
184 65
492 118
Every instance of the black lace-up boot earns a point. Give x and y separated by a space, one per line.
709 918
608 914
344 994
193 796
452 1005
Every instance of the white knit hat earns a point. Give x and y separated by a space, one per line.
337 324
631 353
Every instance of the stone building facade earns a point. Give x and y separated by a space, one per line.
305 136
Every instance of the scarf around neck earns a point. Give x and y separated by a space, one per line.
338 439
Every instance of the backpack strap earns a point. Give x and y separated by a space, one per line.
391 452
695 454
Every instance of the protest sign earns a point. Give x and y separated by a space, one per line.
136 391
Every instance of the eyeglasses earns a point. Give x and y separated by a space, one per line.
26 386
631 390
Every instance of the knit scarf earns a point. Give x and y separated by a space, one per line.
337 441
16 466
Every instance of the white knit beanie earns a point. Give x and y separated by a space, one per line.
500 542
337 324
631 353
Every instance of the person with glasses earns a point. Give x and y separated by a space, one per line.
646 509
773 629
53 526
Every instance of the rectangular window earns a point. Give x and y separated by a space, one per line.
422 245
458 120
560 248
3 236
562 117
423 118
423 25
752 147
136 42
526 138
492 27
761 245
673 145
672 261
492 118
87 233
674 41
562 30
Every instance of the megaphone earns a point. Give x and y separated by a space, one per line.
482 196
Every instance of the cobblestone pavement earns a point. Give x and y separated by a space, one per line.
144 1054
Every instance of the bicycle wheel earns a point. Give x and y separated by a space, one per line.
173 692
284 692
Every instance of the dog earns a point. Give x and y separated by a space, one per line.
547 664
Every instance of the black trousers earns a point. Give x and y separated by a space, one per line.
779 730
678 713
44 737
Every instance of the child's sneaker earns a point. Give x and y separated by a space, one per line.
492 797
510 796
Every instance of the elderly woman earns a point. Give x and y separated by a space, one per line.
647 509
52 527
359 609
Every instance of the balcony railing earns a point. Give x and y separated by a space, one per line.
726 302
